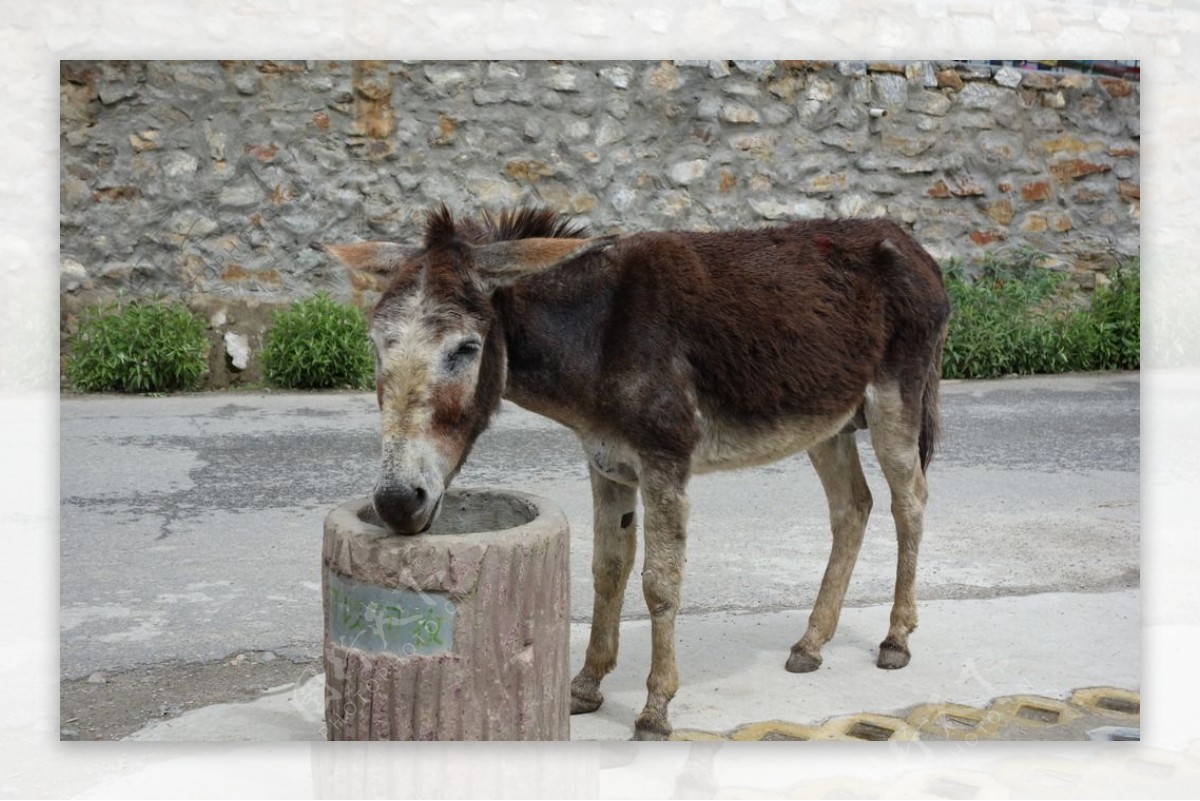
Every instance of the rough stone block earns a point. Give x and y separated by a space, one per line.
1060 222
854 141
759 70
815 115
949 79
761 144
1036 191
1075 81
974 72
827 183
851 117
506 72
527 169
776 114
984 96
446 78
488 96
1000 212
891 91
743 89
1054 100
718 69
1071 169
1009 77
687 172
1116 87
988 236
619 77
821 89
142 141
907 144
1045 119
998 147
1034 223
609 132
933 103
665 77
770 209
740 114
563 78
854 205
882 184
1042 81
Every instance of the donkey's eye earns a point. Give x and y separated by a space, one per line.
464 353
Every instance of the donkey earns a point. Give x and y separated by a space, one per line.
668 354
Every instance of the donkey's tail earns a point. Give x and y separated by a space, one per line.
930 420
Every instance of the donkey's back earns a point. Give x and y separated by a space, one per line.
785 330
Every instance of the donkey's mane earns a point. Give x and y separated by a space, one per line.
442 230
530 223
439 227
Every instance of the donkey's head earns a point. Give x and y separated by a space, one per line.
440 354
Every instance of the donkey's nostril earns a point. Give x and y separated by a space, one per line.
403 507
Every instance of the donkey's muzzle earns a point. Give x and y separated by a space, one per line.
406 508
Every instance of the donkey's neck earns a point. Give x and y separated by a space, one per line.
554 328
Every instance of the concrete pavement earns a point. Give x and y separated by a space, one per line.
191 529
732 676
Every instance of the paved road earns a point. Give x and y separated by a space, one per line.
191 525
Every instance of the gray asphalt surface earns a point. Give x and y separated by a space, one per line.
191 525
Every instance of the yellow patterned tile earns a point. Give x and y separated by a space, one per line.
773 730
865 726
954 721
1109 701
695 736
1034 711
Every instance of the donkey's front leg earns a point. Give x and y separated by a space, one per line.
664 494
614 527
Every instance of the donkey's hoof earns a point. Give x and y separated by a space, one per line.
802 662
584 701
892 656
651 727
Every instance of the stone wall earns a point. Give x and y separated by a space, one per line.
207 180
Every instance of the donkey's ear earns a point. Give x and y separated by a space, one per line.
504 263
370 257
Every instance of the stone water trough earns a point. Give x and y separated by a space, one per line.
460 633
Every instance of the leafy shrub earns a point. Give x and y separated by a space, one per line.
142 347
1016 318
318 343
1113 324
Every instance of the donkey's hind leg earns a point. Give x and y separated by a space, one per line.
614 510
837 465
895 429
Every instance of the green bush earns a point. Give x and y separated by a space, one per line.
318 343
1113 324
1016 318
142 347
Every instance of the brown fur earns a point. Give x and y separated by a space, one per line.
669 352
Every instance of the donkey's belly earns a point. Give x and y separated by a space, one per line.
723 445
727 445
